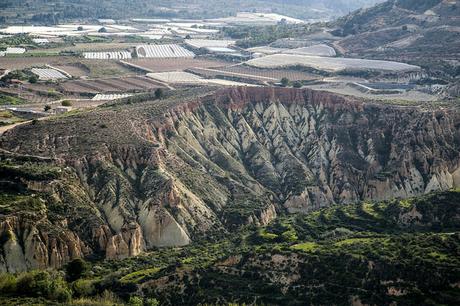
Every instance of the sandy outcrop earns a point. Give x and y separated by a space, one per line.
28 245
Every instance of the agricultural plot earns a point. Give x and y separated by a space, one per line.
209 43
78 67
31 97
115 55
177 77
257 19
266 50
103 68
163 51
268 74
74 69
110 85
330 64
317 50
168 64
185 78
15 63
47 74
70 30
12 50
412 96
109 97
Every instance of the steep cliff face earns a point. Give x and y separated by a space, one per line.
168 172
311 149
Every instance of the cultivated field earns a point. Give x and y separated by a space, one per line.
108 97
76 70
177 77
185 78
317 50
412 96
176 64
78 67
109 55
14 63
331 64
46 74
110 85
33 97
259 74
203 43
163 51
92 47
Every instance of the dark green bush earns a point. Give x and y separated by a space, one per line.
76 269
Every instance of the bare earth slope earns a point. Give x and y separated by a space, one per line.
127 178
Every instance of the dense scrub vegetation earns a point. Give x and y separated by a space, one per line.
251 36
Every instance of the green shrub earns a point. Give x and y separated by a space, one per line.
42 284
159 93
66 103
285 82
76 269
297 84
59 291
33 283
107 298
135 301
33 79
83 287
151 302
7 283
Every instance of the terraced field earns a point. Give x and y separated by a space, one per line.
177 64
257 74
32 97
74 69
75 66
110 85
14 63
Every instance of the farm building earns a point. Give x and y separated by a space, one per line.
115 55
220 50
62 109
47 74
106 21
40 41
12 50
109 97
163 51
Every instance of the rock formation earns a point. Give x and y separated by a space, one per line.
165 173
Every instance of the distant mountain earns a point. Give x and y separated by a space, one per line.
58 10
422 32
422 13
